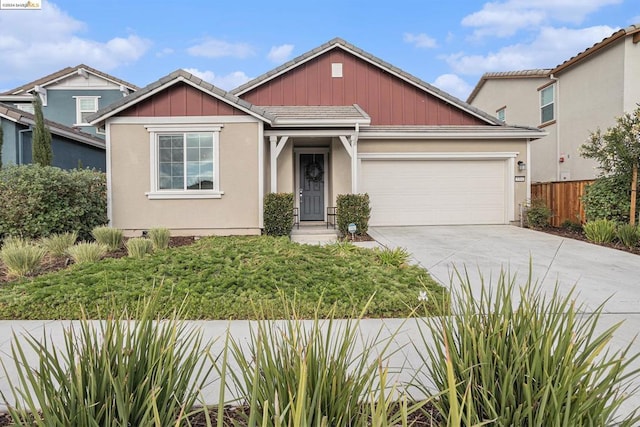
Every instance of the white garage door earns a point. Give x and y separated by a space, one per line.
435 192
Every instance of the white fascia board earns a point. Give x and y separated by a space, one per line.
364 134
488 155
14 98
320 122
310 132
185 120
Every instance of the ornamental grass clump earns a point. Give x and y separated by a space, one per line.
112 238
87 252
320 372
160 238
138 247
21 257
600 231
519 357
396 257
629 235
56 245
113 373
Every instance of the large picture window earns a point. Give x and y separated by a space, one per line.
185 163
546 104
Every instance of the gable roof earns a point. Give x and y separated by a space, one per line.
338 43
28 119
170 80
522 74
64 73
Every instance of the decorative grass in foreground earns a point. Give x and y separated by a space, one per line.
219 278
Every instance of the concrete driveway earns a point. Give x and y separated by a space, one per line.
599 274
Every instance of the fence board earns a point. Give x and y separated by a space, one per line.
564 198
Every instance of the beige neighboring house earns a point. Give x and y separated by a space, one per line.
188 156
570 101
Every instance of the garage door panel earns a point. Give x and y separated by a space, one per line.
431 192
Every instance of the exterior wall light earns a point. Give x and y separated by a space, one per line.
522 165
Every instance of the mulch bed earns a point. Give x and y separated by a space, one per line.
50 264
579 235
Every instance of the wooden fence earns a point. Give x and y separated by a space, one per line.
564 198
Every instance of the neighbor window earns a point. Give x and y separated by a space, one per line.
26 107
500 114
186 164
546 104
85 106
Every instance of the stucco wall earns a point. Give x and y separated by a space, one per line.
236 212
444 146
340 170
631 73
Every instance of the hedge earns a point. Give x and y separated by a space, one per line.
278 214
38 201
353 208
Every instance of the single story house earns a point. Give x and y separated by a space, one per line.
186 155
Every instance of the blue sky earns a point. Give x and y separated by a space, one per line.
446 43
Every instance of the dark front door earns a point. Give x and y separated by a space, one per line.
312 177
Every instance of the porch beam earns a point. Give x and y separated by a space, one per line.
354 164
276 148
347 144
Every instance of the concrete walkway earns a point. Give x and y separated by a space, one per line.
598 273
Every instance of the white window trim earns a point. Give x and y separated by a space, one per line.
157 194
78 99
504 114
553 102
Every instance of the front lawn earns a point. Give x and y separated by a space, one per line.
222 278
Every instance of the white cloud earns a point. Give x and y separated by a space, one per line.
213 48
453 84
35 43
280 53
551 47
505 18
227 82
420 40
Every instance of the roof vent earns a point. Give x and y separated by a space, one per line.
336 69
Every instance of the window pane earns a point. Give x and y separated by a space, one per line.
197 168
164 141
88 104
547 113
500 114
193 154
546 96
177 155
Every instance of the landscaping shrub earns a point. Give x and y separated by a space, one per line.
538 214
629 235
353 208
396 257
278 214
608 198
38 201
57 244
87 252
160 238
138 247
521 357
570 225
110 237
21 257
600 231
113 373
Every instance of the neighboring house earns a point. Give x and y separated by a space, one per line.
71 147
70 95
186 155
570 101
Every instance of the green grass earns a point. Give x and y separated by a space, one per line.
222 278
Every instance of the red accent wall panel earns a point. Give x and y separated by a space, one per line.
388 99
181 100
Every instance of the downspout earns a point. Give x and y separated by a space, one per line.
21 143
556 94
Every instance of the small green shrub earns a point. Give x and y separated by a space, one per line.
629 235
397 257
57 244
608 198
524 357
160 238
21 257
353 208
138 247
38 201
600 231
114 373
87 252
278 214
570 225
110 237
538 214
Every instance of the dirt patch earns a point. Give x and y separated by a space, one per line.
51 264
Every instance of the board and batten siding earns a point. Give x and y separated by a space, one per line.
387 99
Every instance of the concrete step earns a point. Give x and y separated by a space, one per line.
315 239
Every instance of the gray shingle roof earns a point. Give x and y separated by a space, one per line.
442 131
320 114
18 116
174 77
342 44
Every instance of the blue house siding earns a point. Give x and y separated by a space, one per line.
61 105
68 154
10 141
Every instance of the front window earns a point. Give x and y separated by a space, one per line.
85 106
546 104
185 162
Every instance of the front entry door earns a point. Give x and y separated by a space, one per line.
312 177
